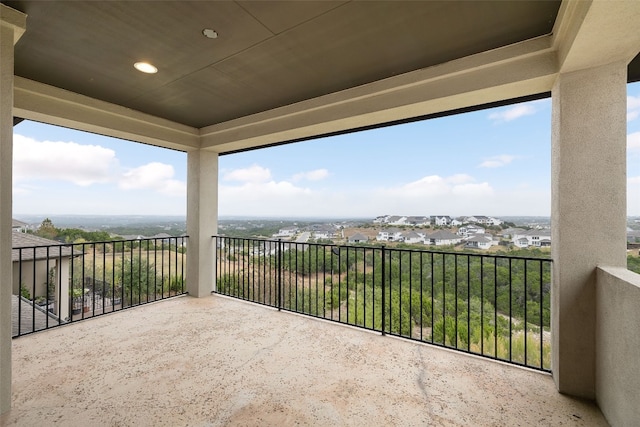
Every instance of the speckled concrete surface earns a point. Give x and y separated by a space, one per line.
217 362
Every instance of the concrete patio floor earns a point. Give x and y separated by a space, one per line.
216 361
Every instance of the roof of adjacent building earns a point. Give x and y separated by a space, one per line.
26 247
17 223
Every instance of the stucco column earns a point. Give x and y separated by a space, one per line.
202 220
588 211
12 26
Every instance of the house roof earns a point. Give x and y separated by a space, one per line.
36 247
17 223
411 235
480 238
443 235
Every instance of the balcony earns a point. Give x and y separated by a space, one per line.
221 361
211 360
582 53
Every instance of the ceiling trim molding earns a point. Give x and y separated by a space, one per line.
518 70
17 21
591 33
43 103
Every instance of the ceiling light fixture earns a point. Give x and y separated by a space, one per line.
145 67
209 33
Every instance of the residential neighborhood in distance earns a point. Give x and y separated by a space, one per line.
484 233
468 232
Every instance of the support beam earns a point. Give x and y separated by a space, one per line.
202 221
40 102
522 69
588 210
12 26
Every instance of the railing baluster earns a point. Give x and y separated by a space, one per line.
303 271
384 286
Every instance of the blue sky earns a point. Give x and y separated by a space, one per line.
491 162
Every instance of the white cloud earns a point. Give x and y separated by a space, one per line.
497 161
472 190
435 187
430 195
514 112
633 142
633 107
153 176
267 199
253 173
314 175
460 178
633 195
82 165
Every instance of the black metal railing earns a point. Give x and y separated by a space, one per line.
490 305
58 284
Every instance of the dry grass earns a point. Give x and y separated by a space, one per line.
163 260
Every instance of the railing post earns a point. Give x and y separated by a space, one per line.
279 269
384 276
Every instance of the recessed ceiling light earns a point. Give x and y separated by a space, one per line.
208 32
145 67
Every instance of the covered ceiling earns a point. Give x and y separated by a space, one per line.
268 54
287 70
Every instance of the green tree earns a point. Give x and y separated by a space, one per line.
47 230
138 280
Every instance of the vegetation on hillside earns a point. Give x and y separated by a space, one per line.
482 304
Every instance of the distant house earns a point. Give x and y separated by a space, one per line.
19 226
358 238
164 237
397 220
479 241
479 219
456 222
418 221
495 221
41 268
412 237
389 235
442 238
442 221
324 233
470 230
287 232
382 219
509 233
532 238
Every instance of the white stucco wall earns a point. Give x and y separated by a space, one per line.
618 345
38 282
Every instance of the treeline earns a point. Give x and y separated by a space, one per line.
49 231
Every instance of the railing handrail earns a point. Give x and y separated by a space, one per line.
372 246
101 242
